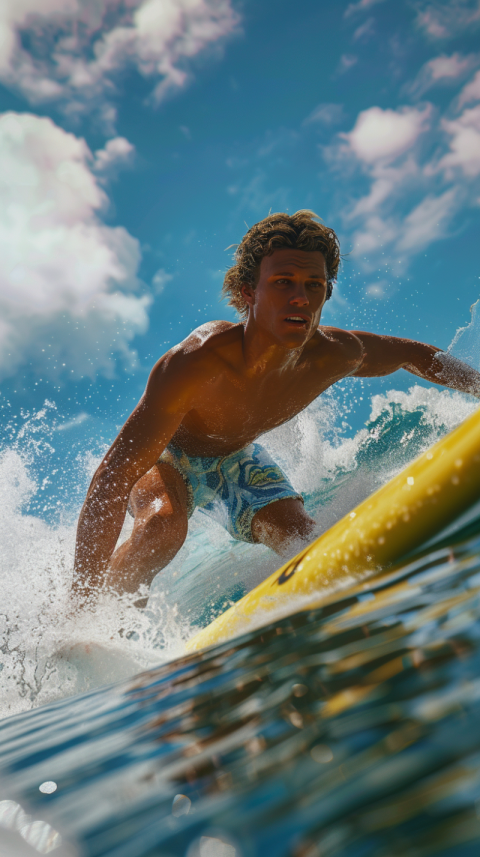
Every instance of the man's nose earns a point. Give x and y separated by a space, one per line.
300 296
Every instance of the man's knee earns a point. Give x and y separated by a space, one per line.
172 527
162 489
282 523
160 533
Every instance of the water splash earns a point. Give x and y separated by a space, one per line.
47 654
347 730
466 342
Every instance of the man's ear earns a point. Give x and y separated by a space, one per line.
248 293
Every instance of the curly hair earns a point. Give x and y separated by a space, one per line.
301 231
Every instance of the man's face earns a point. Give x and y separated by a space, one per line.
288 299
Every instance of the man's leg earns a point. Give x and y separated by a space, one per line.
159 501
282 524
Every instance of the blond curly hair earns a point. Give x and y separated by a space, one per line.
301 231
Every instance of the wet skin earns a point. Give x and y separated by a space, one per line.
215 393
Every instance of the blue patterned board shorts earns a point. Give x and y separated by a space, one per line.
231 488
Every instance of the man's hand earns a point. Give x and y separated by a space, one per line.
454 373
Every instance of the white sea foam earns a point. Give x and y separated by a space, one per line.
46 654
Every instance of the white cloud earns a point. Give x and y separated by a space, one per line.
353 8
470 92
393 239
384 135
427 221
421 169
117 152
376 232
160 280
387 179
444 67
325 114
70 50
464 151
442 70
67 281
403 211
443 20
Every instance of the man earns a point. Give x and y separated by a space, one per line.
191 440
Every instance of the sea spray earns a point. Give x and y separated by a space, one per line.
466 343
44 648
47 653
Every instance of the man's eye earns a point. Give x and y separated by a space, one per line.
316 285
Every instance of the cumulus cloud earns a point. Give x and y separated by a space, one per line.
386 134
464 151
417 169
68 283
70 51
116 153
441 20
400 214
442 70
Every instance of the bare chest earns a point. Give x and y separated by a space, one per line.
233 411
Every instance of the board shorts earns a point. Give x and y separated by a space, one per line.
231 488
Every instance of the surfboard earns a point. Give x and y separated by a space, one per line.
406 513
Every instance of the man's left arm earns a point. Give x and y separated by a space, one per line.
385 354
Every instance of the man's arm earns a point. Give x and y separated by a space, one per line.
385 354
136 449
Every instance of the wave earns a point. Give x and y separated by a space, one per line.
44 649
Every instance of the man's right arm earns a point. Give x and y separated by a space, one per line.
136 449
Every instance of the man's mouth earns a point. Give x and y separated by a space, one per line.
299 320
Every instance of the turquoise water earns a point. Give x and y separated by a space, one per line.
349 730
344 731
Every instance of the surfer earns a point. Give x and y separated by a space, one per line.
192 439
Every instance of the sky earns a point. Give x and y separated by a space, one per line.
140 138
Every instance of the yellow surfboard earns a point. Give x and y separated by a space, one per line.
409 510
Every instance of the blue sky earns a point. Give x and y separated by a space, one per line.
138 137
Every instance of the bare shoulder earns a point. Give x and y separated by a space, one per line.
209 338
342 345
196 359
344 339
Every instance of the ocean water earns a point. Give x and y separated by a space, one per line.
43 654
348 730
